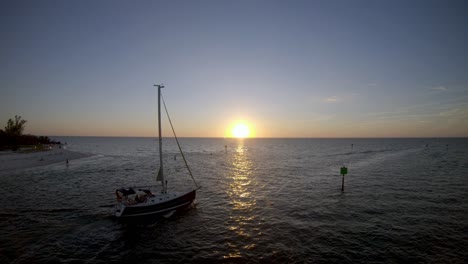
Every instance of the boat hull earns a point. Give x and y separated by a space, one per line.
154 207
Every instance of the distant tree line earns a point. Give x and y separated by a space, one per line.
12 136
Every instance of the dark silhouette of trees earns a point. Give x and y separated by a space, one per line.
15 127
12 137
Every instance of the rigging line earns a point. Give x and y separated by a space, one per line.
177 140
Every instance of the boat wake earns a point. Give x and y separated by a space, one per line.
169 214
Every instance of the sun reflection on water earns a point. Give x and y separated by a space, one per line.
241 192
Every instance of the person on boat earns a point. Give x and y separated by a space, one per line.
117 195
140 198
148 193
137 198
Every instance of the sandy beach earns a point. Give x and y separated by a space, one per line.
10 161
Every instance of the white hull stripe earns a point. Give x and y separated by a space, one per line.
154 212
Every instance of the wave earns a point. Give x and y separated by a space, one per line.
358 152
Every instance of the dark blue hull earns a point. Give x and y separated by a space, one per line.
160 208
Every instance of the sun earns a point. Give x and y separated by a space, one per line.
240 130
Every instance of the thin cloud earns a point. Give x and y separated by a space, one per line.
439 89
331 99
441 105
453 111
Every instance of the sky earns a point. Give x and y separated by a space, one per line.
285 68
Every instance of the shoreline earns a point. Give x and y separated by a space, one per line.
13 161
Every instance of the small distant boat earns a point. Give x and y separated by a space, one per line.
143 201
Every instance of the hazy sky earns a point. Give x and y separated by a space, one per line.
288 68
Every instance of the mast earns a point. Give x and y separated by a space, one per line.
161 171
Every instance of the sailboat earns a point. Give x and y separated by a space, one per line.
143 201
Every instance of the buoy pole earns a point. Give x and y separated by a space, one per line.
343 172
342 184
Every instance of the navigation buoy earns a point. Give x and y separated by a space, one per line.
343 171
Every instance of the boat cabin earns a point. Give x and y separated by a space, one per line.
130 197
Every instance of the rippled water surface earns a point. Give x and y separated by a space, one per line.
263 200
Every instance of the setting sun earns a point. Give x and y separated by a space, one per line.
240 130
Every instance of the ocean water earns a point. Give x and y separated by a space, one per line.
262 201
